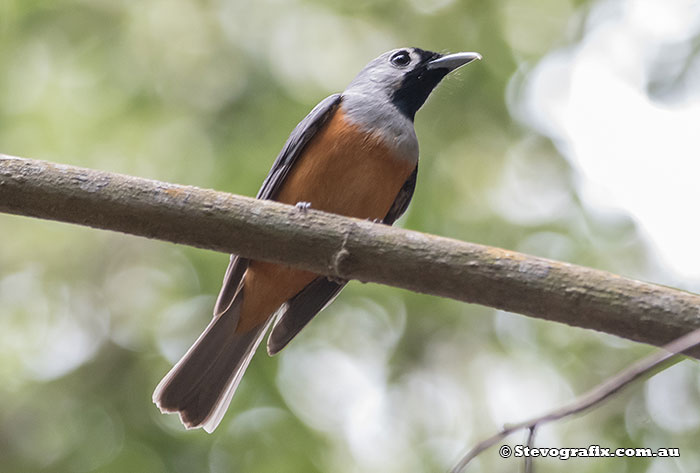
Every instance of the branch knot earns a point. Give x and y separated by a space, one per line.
340 256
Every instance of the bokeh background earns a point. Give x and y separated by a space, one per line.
576 138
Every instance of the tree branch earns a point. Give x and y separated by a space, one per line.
347 248
595 396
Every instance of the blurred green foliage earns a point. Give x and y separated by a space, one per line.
205 93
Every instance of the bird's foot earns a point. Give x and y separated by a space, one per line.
303 206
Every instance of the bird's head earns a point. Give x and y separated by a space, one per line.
406 76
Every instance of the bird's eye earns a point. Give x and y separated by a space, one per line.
401 59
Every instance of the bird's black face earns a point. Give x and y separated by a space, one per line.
418 80
406 77
420 72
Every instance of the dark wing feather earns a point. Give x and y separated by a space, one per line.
232 279
402 199
298 139
300 310
321 291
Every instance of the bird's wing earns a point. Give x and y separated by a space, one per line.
232 279
298 139
300 309
321 291
402 199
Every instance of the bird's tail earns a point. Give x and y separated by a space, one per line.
200 386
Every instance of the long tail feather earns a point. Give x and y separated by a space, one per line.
200 386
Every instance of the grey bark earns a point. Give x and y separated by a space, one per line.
348 248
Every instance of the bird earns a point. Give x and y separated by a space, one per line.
354 154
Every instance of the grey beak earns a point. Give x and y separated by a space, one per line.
453 61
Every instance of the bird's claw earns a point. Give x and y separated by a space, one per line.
303 206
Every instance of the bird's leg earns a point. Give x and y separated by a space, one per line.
303 206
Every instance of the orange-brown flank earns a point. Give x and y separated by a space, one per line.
343 170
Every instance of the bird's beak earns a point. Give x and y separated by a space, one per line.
453 61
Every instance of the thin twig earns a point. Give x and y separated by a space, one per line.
591 398
530 444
